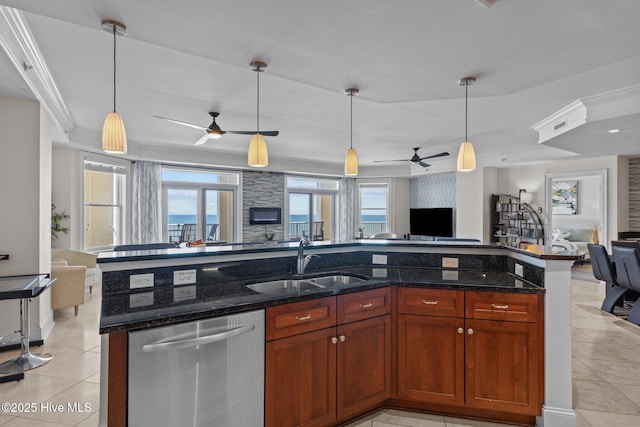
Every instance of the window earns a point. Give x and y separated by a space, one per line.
374 208
104 202
311 207
199 204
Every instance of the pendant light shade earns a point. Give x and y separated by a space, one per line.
114 136
466 157
466 154
258 155
351 161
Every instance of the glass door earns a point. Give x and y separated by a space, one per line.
299 215
182 215
219 215
311 215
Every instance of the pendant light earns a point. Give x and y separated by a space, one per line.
258 156
114 136
466 155
351 162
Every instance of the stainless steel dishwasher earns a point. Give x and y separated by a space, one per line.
204 373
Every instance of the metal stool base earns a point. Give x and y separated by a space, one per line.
24 362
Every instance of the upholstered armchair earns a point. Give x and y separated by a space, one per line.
69 288
74 258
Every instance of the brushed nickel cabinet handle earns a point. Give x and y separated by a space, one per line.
367 305
460 330
500 307
470 331
429 302
305 317
334 340
342 338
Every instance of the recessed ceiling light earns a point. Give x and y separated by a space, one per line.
614 130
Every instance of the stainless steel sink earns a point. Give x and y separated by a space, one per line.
334 280
283 287
300 286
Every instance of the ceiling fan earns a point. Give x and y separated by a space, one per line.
214 131
416 158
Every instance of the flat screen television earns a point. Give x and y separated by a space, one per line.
259 216
431 222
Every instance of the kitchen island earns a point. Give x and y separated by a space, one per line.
215 284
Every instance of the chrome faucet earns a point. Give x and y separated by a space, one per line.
303 260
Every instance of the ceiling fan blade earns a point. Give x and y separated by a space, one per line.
424 165
443 154
204 138
399 160
191 125
248 132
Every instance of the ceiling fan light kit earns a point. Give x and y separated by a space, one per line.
466 154
351 161
114 135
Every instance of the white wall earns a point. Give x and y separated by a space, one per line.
490 186
65 194
399 201
25 214
470 204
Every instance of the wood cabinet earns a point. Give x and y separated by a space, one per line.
328 360
486 356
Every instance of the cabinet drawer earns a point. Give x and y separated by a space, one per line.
432 302
299 317
363 305
502 306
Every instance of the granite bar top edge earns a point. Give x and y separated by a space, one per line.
535 251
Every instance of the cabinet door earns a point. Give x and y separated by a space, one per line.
503 365
301 380
431 359
364 365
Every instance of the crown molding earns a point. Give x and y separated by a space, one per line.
20 46
607 105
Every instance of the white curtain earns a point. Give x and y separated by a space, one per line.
347 218
146 202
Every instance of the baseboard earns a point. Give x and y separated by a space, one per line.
556 417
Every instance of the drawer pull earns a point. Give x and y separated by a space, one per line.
460 330
334 340
305 317
342 338
470 331
500 307
367 305
424 301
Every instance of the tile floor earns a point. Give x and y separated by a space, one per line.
606 377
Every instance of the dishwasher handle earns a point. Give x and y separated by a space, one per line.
193 342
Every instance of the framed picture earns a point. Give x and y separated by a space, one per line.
564 197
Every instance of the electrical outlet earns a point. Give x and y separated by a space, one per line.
184 277
140 300
519 270
137 281
449 274
449 262
184 293
379 272
379 259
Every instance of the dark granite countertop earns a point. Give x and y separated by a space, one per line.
536 251
166 305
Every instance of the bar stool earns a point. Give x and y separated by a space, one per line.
627 262
604 270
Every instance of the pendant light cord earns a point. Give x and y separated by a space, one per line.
351 138
466 108
114 68
258 102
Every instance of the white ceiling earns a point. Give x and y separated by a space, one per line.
183 58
